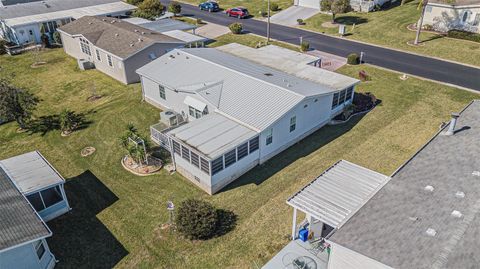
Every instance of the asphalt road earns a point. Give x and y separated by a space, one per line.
429 68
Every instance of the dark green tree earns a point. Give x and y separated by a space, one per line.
149 9
16 103
175 8
335 7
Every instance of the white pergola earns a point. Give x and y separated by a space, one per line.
337 194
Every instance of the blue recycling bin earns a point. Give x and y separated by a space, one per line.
303 235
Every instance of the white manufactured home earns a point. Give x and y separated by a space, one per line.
31 193
227 114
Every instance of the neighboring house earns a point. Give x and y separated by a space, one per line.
425 216
31 193
22 23
239 113
356 5
457 14
115 47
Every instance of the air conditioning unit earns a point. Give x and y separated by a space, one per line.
170 118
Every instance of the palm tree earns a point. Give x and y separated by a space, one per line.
423 4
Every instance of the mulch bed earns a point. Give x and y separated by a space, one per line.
154 165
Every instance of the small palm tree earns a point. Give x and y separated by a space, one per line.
422 4
68 121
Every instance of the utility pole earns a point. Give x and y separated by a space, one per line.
268 21
420 22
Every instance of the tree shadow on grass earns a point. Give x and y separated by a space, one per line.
299 150
45 124
227 221
80 239
350 20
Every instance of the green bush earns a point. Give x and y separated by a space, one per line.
274 7
3 43
236 28
459 34
175 8
196 219
427 27
134 2
353 59
300 22
199 21
304 46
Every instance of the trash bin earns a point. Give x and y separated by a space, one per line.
303 235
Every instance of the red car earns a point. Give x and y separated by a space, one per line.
239 12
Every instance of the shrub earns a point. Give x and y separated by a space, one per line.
236 28
427 27
353 59
196 219
274 7
175 8
149 9
69 121
3 49
300 22
199 21
45 40
57 37
134 2
304 46
464 35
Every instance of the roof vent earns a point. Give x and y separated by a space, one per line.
140 40
453 122
289 85
90 23
136 30
456 214
104 19
268 74
413 218
476 173
431 232
116 35
131 44
429 188
171 56
143 33
460 194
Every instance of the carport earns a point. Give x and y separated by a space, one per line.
334 197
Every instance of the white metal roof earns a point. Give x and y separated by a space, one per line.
212 134
31 172
253 94
338 192
75 13
292 62
184 36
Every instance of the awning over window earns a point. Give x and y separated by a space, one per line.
198 105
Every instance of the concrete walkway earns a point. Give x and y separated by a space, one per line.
212 30
290 15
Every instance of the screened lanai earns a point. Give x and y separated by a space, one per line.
39 182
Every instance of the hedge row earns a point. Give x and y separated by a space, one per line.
464 35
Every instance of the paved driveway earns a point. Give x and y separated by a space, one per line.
290 15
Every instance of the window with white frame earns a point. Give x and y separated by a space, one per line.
204 165
185 153
230 158
85 46
242 151
40 249
109 60
466 16
253 144
196 113
97 52
293 123
476 21
269 137
217 165
335 100
342 97
161 90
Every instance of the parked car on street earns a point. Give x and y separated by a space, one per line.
239 12
209 6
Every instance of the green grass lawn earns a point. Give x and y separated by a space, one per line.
116 216
389 28
253 6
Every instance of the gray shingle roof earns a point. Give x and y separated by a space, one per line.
47 6
116 36
391 227
19 223
254 94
